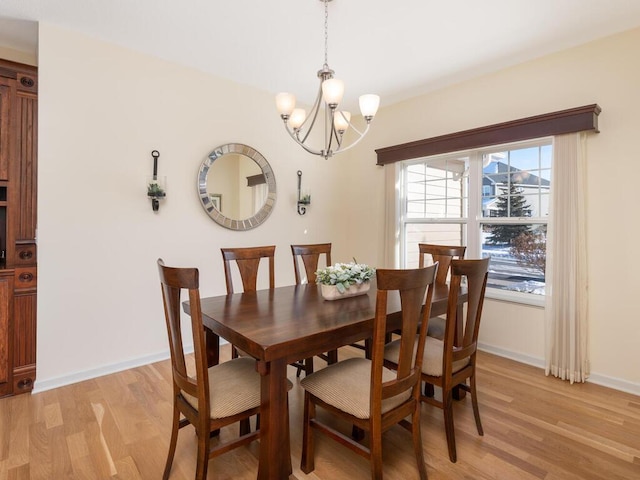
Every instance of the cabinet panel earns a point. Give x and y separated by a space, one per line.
5 117
25 254
26 151
24 342
6 304
25 279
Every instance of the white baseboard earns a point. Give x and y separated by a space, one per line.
598 379
615 383
44 385
518 357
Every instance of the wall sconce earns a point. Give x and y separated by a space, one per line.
304 199
156 186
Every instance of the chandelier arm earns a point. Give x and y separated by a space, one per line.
329 129
297 140
310 128
362 135
313 113
339 138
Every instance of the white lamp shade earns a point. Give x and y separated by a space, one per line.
369 105
341 120
285 103
297 117
332 91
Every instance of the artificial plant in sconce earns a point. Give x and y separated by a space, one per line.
305 200
155 190
156 186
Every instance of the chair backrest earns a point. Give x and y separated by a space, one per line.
443 254
248 261
476 273
411 286
173 281
310 255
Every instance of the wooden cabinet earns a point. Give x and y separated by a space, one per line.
18 222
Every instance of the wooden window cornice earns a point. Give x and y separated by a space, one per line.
556 123
254 180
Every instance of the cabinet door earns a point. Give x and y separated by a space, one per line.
6 305
5 115
24 339
27 171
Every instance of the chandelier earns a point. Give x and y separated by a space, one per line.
336 122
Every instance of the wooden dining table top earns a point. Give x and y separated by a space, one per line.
290 321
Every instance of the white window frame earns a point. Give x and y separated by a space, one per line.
474 219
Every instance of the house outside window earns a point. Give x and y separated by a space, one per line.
494 200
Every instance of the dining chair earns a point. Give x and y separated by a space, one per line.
365 393
446 365
443 254
213 397
309 255
248 261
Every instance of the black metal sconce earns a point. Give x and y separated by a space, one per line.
156 186
303 199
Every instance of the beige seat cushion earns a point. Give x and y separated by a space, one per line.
432 359
346 386
234 387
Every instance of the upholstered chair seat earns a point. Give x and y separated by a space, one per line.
346 385
432 360
234 387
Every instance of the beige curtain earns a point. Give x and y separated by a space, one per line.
391 222
567 355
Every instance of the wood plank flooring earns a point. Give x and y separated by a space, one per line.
536 427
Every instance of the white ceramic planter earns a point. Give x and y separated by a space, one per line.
331 292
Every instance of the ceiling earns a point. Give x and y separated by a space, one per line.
396 48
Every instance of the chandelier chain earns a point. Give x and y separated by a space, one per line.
326 34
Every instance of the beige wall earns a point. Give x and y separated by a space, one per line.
602 72
103 109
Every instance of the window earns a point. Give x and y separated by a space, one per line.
495 201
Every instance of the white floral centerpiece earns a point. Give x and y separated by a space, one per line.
344 280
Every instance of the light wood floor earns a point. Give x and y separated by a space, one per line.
536 427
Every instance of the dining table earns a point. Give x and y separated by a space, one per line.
282 325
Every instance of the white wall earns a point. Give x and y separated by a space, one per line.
602 72
103 109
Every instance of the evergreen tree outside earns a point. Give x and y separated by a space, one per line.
506 234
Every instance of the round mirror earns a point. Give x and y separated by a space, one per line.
236 186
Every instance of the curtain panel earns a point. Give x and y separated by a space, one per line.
566 315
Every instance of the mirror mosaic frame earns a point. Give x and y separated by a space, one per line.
270 179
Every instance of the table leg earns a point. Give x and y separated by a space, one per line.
275 450
212 342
